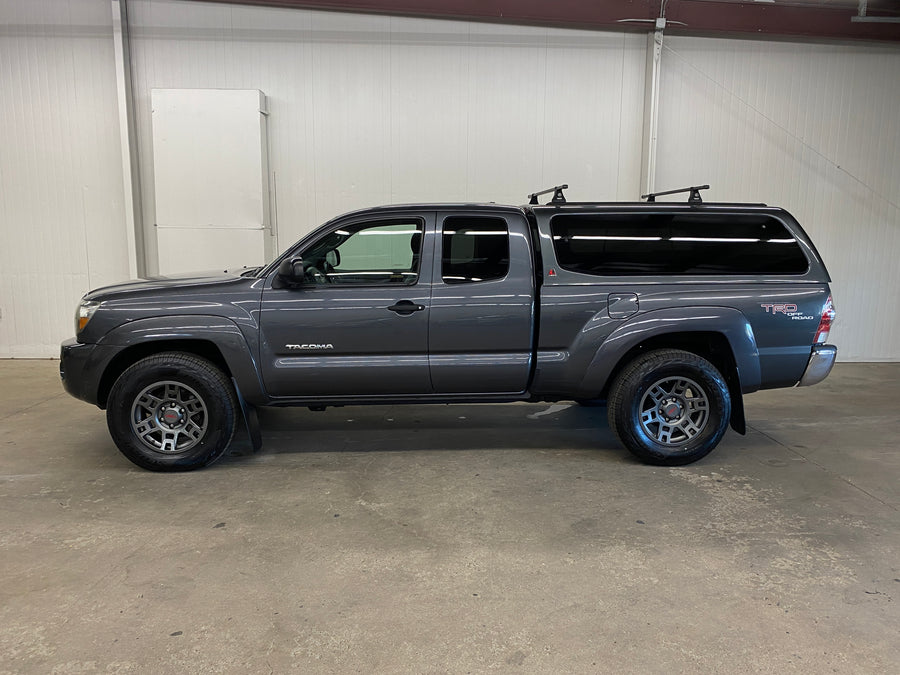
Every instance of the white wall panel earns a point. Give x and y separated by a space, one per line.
211 178
61 205
809 127
368 110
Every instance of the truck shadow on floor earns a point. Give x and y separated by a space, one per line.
559 426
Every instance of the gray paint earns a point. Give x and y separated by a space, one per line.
472 341
725 320
481 334
375 351
623 305
221 331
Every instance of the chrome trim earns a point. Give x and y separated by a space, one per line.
820 363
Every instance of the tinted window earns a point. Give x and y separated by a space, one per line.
474 249
367 253
651 244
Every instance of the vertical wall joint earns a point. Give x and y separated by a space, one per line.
651 107
127 134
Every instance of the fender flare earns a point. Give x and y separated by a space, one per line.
729 322
220 331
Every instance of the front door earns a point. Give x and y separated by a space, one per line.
358 326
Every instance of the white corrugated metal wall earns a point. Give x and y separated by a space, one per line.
367 110
813 128
61 204
373 109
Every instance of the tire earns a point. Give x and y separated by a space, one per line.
669 407
172 411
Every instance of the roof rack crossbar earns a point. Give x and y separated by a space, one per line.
694 198
558 196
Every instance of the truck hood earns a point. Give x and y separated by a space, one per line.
171 281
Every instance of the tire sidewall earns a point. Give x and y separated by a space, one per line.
220 415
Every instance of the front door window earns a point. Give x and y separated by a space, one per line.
365 254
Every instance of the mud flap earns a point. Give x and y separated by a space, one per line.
738 422
250 419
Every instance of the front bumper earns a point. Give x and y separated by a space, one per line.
821 361
73 357
81 366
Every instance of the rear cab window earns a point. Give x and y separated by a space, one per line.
474 249
676 244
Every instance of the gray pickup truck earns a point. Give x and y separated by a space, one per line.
670 312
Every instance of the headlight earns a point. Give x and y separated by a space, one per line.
86 309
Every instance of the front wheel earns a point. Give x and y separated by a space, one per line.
669 407
172 412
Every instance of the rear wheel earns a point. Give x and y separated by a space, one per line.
669 407
172 412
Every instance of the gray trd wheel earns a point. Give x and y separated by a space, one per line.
172 412
669 407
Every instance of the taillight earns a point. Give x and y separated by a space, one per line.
825 322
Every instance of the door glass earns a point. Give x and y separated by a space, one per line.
474 249
382 252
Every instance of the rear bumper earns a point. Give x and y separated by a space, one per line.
820 364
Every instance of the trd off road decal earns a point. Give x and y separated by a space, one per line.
788 309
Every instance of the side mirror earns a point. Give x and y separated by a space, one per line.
291 270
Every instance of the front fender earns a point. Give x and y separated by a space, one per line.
220 331
725 320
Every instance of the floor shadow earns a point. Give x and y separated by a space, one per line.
413 428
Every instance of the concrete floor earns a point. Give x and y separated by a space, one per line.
511 538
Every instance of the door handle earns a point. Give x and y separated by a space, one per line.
406 307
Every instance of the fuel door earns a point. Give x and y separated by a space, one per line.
622 305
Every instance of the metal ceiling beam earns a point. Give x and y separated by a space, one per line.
702 17
861 15
776 18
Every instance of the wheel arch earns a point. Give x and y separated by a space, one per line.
218 340
130 355
721 335
712 346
